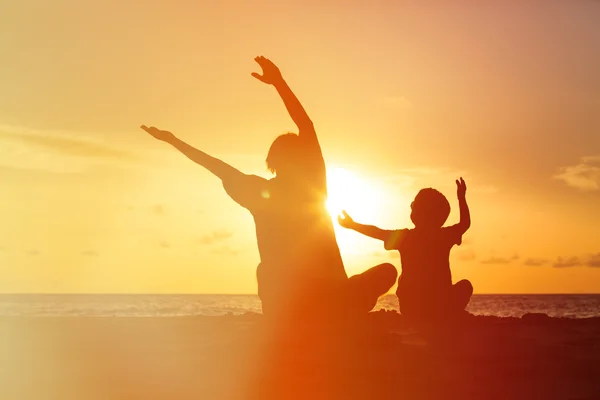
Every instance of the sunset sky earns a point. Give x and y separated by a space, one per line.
403 94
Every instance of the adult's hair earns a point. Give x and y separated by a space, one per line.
285 153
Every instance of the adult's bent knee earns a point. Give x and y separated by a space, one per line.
465 286
387 273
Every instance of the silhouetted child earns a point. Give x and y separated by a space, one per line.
425 290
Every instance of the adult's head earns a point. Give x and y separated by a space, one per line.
287 156
430 209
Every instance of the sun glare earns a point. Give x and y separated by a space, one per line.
346 191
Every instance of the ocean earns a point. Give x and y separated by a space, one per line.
173 305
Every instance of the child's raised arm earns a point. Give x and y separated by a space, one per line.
465 216
368 230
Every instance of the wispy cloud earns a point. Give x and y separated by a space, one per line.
593 261
467 255
589 260
33 252
68 144
54 151
584 176
500 260
567 262
536 262
215 237
89 253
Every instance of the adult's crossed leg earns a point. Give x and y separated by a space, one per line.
365 289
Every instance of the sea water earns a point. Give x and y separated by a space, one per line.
173 305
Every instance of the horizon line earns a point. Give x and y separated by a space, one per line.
255 294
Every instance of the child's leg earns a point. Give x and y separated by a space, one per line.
415 303
366 288
461 294
406 301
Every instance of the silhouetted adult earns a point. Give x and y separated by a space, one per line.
301 272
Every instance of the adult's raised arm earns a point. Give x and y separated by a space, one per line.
272 76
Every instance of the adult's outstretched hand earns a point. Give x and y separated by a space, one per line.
270 73
156 133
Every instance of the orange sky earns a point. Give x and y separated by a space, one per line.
404 95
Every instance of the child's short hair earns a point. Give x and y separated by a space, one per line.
430 209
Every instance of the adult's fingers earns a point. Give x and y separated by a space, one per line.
258 76
150 130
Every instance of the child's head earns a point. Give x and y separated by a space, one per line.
430 209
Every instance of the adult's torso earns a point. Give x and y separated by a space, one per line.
295 234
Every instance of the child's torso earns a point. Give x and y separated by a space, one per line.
425 260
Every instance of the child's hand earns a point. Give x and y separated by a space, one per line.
461 188
345 220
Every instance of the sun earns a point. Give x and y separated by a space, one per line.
347 191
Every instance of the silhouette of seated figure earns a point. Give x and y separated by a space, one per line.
425 290
301 272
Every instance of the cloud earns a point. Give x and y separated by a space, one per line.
536 262
64 143
215 237
33 252
567 262
584 176
89 253
496 260
164 244
590 260
593 261
500 260
468 255
54 151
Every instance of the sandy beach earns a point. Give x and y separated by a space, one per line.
239 357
